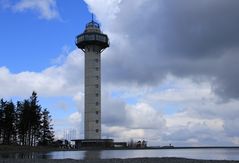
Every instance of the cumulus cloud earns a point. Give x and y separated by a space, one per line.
178 111
120 133
151 39
46 9
108 8
198 114
66 79
170 63
183 129
144 116
75 118
113 111
123 121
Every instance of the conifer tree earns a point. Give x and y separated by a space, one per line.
35 133
8 122
47 135
29 121
25 123
2 105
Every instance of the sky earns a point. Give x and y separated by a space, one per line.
170 75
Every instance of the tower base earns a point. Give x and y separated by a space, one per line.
93 143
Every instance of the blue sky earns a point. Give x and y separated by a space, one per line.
163 74
31 42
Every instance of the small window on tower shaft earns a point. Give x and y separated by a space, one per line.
96 103
96 86
97 77
96 60
97 94
96 112
97 68
96 130
96 121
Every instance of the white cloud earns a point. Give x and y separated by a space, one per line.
143 116
150 39
120 133
75 118
200 116
142 73
137 65
62 57
181 89
106 9
47 9
66 79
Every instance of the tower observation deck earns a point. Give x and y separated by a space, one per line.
92 42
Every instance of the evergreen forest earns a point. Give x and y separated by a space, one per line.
25 123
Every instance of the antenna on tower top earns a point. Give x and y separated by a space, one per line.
92 17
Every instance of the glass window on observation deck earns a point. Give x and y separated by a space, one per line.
81 38
89 37
100 38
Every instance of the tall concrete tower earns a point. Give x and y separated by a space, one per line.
92 42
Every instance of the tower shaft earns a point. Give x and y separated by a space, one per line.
92 92
92 42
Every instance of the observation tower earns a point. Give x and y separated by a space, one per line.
92 42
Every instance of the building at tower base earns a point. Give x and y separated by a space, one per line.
93 143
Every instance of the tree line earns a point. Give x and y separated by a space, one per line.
25 123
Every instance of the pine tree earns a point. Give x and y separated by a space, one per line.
35 133
8 122
23 114
25 123
47 135
29 121
2 105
